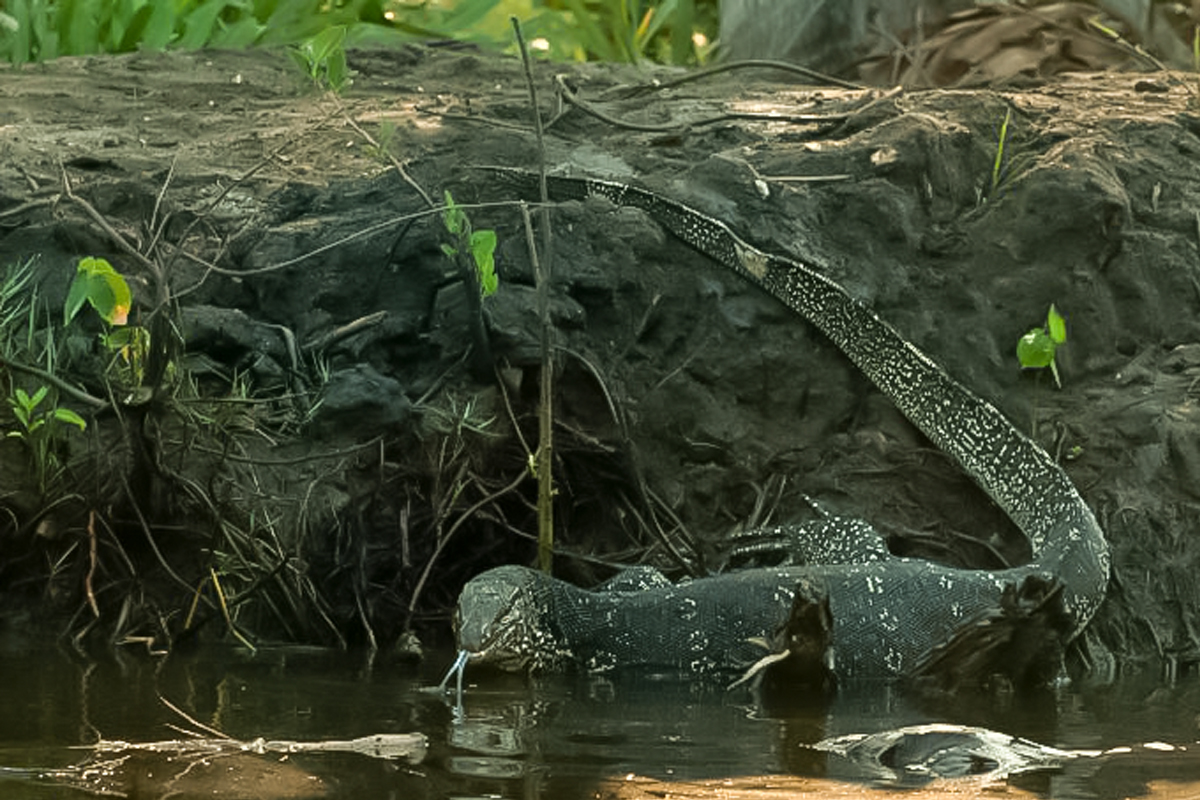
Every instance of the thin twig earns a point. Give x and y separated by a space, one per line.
59 383
158 204
757 63
542 272
198 724
491 498
664 537
342 331
137 510
29 205
212 575
99 219
120 548
495 123
572 97
202 214
512 416
286 462
608 398
888 95
91 573
399 167
241 273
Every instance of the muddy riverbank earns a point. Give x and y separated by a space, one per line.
316 449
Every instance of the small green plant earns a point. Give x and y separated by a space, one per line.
18 295
1036 349
383 142
130 347
41 428
480 244
998 162
97 284
323 58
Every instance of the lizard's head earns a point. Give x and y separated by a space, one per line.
498 620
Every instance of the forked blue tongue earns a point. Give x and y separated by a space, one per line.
456 669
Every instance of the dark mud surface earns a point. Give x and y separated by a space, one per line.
689 404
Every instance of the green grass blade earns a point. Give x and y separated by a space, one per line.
683 20
199 23
16 43
236 35
468 14
590 35
79 26
998 163
47 44
157 27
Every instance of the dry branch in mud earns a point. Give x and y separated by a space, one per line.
209 763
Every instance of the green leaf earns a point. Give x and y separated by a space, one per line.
488 284
600 38
238 35
448 250
159 26
327 42
76 296
17 45
127 336
78 24
465 14
998 163
301 56
1056 325
198 24
336 71
682 19
453 216
38 397
70 417
483 249
96 282
1036 349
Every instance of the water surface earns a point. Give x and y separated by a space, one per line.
519 738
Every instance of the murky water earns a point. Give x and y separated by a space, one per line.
520 739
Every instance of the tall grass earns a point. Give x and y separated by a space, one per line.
671 31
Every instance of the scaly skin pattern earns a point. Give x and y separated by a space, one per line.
888 613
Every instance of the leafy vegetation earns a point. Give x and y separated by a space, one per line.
42 428
97 284
672 31
1036 349
480 244
37 419
998 162
323 58
28 338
